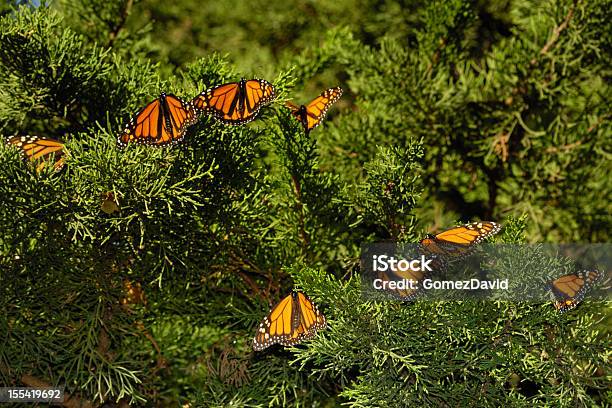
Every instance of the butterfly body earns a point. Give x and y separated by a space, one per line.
235 103
441 249
312 114
456 243
292 320
302 116
161 122
35 147
570 290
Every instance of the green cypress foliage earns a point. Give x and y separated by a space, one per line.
140 275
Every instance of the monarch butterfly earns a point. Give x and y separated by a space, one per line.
35 147
311 115
455 243
571 289
162 122
235 103
292 320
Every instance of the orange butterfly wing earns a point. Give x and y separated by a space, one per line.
218 99
162 122
571 289
311 319
235 103
258 92
35 148
294 319
458 242
181 115
312 114
407 293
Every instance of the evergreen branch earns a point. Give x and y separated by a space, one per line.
492 187
70 401
522 89
555 149
492 175
556 33
597 123
103 342
300 208
250 283
393 227
436 55
161 361
5 370
243 266
120 24
244 263
505 332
